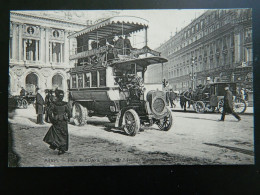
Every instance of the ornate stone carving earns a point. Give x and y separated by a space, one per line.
46 73
18 71
56 35
31 31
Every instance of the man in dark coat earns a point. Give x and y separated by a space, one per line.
49 98
22 92
119 45
57 136
39 107
228 105
127 45
172 97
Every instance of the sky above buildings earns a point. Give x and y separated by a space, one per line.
162 23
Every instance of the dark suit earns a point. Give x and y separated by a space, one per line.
172 96
39 108
128 46
228 105
119 46
22 92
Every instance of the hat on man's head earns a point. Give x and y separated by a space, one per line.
37 88
59 93
227 85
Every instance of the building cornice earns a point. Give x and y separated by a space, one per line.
18 18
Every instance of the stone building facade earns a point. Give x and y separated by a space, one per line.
220 44
39 50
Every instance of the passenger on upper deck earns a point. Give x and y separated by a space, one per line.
127 44
94 44
111 41
102 43
119 45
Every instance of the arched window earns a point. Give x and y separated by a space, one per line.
31 82
57 81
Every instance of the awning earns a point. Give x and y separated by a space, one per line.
113 26
140 61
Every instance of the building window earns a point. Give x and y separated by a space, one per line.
102 78
31 49
80 80
74 81
56 52
57 81
94 79
31 82
87 79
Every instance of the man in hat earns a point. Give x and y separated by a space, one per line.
172 97
228 105
119 45
39 106
127 44
22 92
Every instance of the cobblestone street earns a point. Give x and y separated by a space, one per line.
194 139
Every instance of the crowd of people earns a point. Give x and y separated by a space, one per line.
121 44
58 113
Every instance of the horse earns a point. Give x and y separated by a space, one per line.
185 97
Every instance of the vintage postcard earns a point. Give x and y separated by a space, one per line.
130 87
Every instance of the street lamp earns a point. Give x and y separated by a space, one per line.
193 59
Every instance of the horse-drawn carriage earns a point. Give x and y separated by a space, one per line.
210 98
24 101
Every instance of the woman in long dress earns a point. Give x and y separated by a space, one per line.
59 114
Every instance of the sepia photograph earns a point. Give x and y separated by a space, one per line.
130 87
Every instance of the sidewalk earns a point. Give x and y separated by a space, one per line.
249 110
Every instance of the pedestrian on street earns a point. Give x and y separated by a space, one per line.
39 106
167 92
228 105
22 92
57 136
49 98
172 97
242 93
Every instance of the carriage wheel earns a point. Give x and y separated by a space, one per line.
79 114
112 119
199 107
165 124
24 103
239 105
220 105
209 108
19 103
132 122
194 106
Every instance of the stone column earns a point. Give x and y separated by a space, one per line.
20 52
36 50
24 49
50 43
61 53
47 46
42 49
67 48
237 46
14 42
